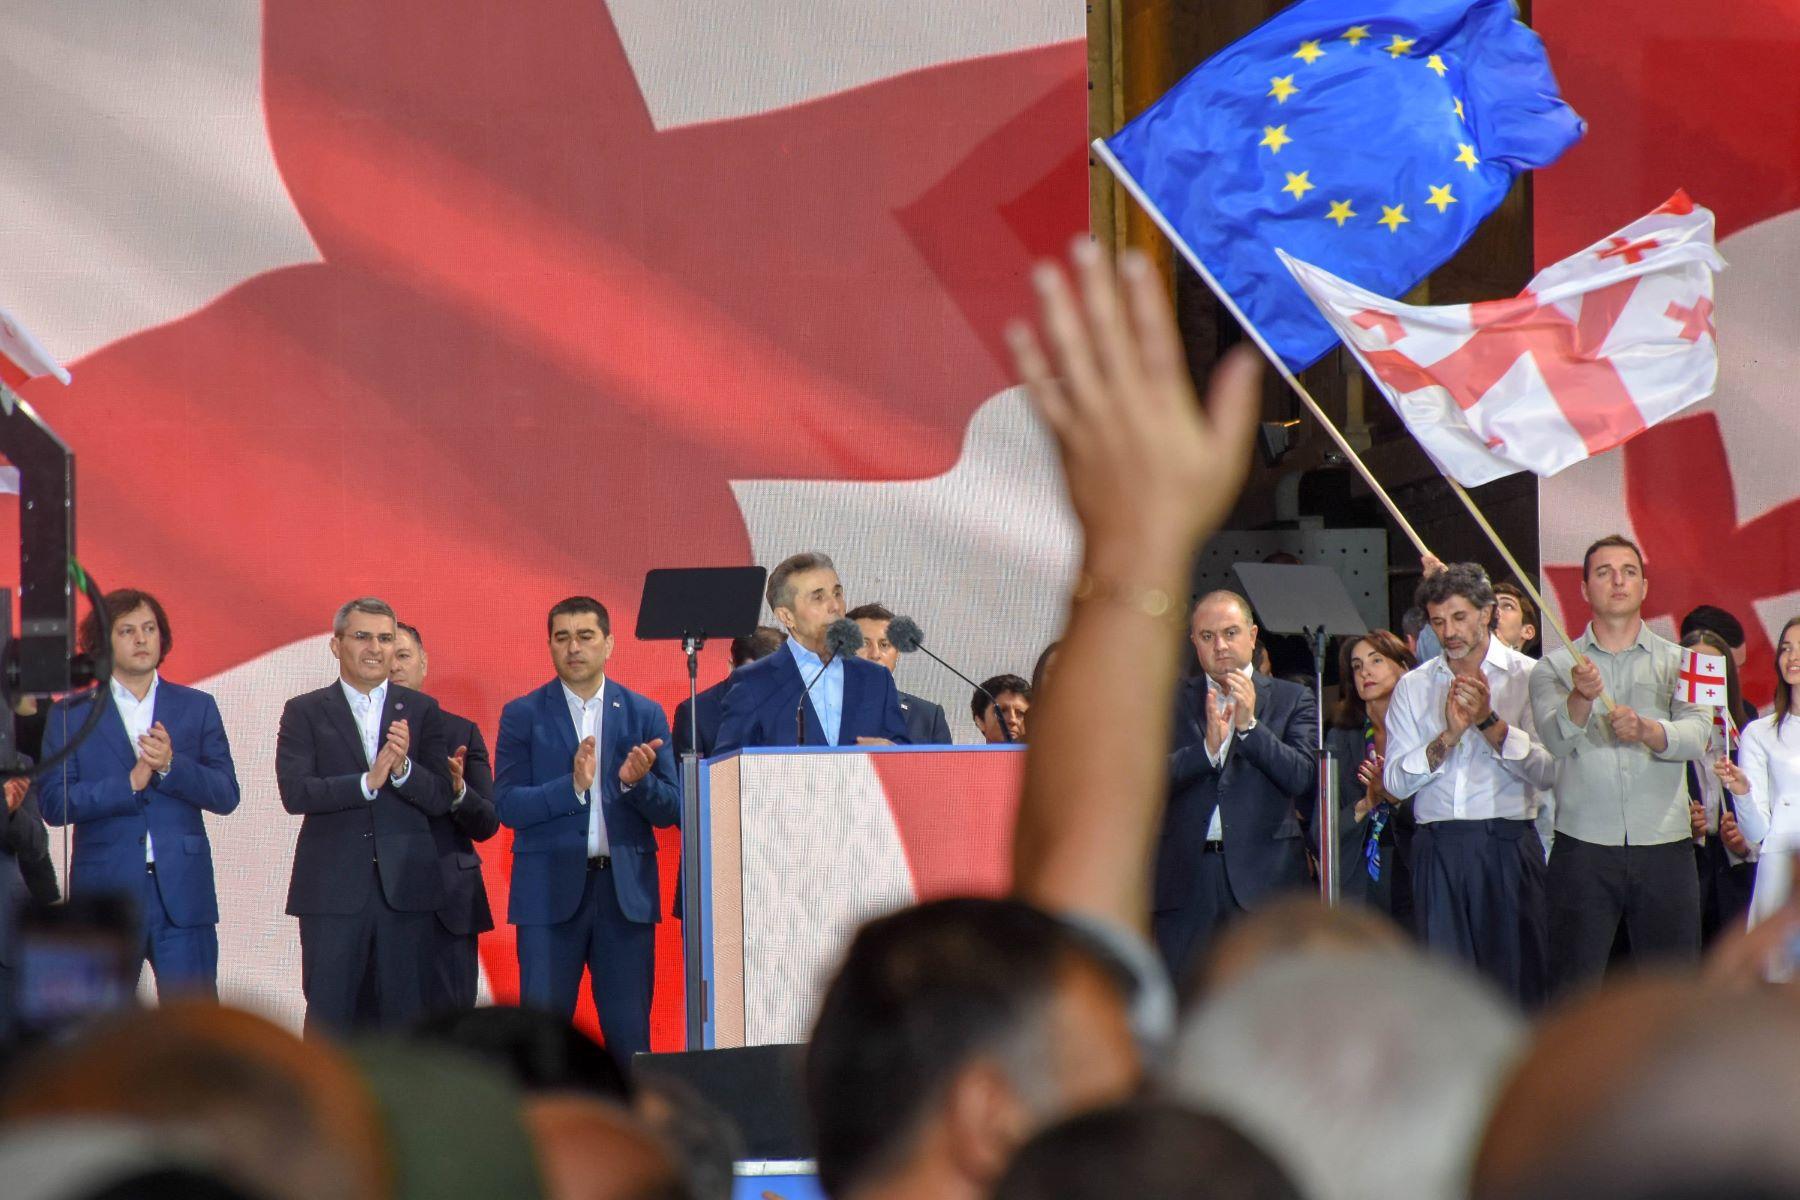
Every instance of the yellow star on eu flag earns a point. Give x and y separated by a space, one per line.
1394 217
1340 212
1440 196
1275 137
1436 63
1309 53
1299 184
1459 110
1355 34
1465 154
1281 87
1400 45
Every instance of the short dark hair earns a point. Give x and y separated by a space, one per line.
120 604
780 593
920 995
996 687
871 612
411 631
763 641
1710 616
1527 610
1144 1147
1466 579
575 605
1613 539
1413 622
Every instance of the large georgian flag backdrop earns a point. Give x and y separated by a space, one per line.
474 306
1704 98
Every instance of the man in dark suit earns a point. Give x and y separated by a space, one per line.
583 781
926 724
465 915
850 702
1241 779
754 647
362 761
136 789
26 877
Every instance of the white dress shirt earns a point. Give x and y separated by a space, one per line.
138 716
1475 782
1215 828
588 716
367 710
1769 816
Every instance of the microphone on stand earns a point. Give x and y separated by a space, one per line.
842 637
906 636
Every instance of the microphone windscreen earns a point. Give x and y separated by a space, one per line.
843 637
905 634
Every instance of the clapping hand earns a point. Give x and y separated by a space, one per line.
1218 720
15 792
457 762
637 764
586 765
1243 700
391 756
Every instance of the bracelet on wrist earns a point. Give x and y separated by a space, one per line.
1152 602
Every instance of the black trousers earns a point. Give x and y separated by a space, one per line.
1653 890
1184 935
1478 896
378 961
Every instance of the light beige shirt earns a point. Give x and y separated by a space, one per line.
1609 793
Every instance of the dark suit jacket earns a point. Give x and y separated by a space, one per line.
26 872
1264 792
92 791
466 908
1392 893
764 695
926 724
711 710
534 793
319 766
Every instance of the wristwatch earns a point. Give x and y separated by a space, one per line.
1493 719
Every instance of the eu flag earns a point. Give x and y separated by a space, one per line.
1369 137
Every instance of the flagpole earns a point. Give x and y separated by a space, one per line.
1130 184
1512 564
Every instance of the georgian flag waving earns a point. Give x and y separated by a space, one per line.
1598 348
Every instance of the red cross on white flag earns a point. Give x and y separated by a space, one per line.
1702 678
1598 348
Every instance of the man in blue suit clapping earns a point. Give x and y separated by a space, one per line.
583 781
851 701
136 789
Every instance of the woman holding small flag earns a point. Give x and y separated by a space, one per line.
1766 782
1723 856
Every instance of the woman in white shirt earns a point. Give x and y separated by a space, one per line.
1766 781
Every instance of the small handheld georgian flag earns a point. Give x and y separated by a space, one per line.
1702 678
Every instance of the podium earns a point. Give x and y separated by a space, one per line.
797 847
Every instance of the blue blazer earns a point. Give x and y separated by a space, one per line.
92 791
1265 791
534 793
762 699
926 724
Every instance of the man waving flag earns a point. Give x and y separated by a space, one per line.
1598 348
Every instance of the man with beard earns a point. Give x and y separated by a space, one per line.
1461 746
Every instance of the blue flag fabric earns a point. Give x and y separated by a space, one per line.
1369 137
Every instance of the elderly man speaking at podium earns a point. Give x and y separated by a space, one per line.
814 691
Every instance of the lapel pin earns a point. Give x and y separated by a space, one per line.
399 704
